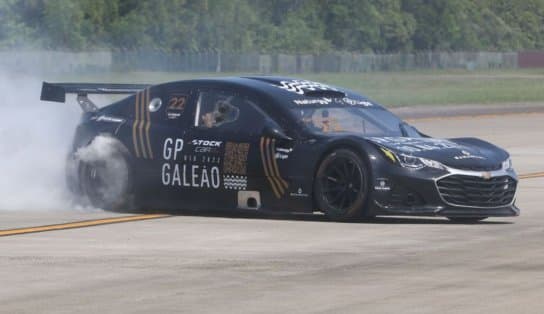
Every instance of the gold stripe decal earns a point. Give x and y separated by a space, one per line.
141 126
276 168
148 125
270 167
265 167
135 126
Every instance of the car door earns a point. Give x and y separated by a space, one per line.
224 148
168 112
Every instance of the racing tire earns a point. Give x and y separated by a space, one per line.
341 185
466 220
106 178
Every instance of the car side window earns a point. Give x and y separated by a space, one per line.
216 109
227 111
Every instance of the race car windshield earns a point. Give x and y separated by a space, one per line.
368 121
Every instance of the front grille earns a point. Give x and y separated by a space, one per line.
473 191
480 168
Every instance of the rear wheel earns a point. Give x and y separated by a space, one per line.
466 220
341 185
105 177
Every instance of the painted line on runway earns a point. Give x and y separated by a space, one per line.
478 116
531 175
80 224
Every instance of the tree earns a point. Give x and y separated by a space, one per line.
302 26
64 20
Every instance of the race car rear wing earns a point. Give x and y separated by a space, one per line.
57 92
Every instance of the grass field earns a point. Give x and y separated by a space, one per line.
438 87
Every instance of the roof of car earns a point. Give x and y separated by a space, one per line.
288 92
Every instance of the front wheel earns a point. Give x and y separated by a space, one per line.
341 185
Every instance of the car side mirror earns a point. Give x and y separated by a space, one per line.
408 130
270 129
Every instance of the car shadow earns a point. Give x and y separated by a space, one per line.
309 217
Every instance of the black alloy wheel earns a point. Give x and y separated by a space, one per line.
341 186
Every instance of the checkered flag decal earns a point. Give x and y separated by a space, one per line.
235 182
299 86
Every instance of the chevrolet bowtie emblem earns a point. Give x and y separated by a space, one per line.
486 175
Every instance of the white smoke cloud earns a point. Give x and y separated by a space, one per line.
35 137
104 154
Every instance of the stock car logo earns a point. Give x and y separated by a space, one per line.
206 143
206 146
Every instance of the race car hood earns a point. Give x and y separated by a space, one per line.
461 153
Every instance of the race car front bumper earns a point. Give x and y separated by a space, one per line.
449 193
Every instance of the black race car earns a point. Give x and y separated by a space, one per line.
274 144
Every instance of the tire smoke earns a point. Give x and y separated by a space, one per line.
35 137
104 155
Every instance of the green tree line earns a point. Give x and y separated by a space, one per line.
274 25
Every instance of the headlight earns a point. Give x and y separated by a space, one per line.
412 162
433 163
507 164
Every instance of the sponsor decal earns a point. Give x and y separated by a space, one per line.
467 155
206 149
235 158
382 185
326 101
311 101
141 126
173 115
282 153
203 159
206 146
206 143
172 148
188 174
233 182
355 102
299 86
299 193
412 145
105 118
195 176
270 166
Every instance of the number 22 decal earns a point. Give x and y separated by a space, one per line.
177 103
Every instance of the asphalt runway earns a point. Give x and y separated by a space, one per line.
213 263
